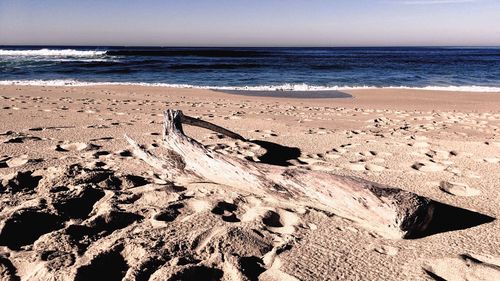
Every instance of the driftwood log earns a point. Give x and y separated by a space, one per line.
391 212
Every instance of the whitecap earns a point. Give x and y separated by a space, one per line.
52 53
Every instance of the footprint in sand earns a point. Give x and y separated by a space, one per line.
170 213
340 150
347 145
419 144
386 250
454 170
458 189
3 161
428 167
492 160
13 137
11 162
419 138
77 146
98 126
26 225
17 161
356 166
198 206
103 139
319 131
269 133
438 154
367 153
332 155
280 221
277 220
100 153
226 211
124 153
374 167
20 181
362 166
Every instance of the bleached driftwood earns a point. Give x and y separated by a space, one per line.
390 211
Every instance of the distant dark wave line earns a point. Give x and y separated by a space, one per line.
331 67
216 66
194 53
162 64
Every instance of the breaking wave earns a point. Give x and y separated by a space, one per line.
52 53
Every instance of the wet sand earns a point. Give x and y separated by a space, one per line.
291 94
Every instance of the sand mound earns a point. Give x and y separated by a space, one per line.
458 189
96 223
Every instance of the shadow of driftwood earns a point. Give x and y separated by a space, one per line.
277 154
450 218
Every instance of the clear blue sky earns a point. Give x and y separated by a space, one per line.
251 22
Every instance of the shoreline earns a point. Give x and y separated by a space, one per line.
266 88
408 99
325 94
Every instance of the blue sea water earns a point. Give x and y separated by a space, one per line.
255 68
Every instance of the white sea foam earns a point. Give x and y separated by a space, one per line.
282 87
52 53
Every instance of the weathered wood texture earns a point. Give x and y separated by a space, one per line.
392 212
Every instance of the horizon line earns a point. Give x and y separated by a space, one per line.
253 46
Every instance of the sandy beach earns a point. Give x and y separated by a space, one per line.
76 204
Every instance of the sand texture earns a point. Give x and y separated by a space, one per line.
76 204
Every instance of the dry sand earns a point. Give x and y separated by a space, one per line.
75 204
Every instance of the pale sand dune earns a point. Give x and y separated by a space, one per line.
76 204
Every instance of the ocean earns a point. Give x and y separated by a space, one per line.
288 69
